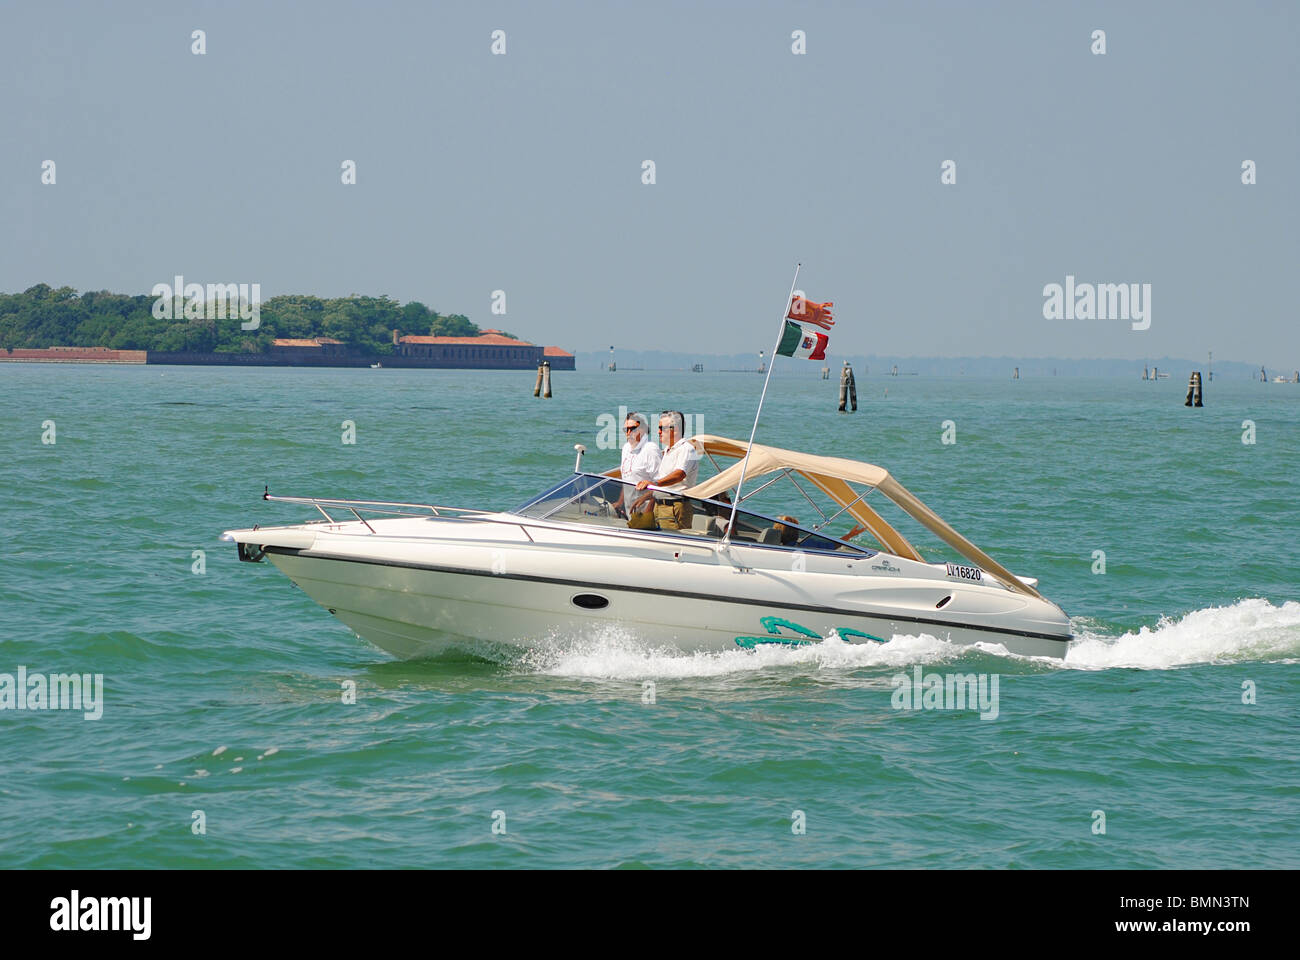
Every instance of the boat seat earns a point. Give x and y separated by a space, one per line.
771 535
704 525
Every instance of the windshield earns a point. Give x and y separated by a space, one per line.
609 502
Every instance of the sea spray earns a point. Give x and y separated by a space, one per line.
1251 629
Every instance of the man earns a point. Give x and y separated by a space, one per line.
640 462
679 467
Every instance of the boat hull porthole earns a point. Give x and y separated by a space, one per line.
591 601
943 603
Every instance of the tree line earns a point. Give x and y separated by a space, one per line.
42 316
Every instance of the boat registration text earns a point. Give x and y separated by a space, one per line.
963 573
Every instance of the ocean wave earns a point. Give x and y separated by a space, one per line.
1248 630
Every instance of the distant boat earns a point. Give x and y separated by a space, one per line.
376 366
1280 379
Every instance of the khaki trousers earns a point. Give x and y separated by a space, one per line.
674 516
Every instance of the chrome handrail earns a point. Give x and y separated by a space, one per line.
370 506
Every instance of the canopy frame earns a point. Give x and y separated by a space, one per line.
834 476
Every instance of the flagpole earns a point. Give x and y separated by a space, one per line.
744 464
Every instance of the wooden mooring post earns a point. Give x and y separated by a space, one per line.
848 388
542 388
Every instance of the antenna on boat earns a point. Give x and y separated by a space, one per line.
577 466
744 464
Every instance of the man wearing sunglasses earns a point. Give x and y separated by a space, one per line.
680 467
640 462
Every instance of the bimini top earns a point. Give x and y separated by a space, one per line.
834 476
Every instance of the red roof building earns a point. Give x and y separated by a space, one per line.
491 350
560 359
289 347
487 337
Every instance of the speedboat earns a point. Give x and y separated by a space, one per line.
421 580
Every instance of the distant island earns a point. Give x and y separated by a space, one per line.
45 323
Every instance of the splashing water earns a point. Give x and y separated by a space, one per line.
1251 629
1248 630
614 653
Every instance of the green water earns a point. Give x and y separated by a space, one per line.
222 689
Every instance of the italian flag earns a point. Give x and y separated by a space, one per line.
802 343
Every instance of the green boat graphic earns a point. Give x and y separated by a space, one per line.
773 626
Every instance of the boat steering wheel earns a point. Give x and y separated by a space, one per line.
602 506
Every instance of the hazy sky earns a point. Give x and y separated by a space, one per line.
523 172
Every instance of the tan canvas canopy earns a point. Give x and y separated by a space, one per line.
833 476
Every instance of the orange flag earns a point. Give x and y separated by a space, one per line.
806 311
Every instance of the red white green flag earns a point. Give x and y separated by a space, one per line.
801 343
800 339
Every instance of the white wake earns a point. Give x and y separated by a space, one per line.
1248 630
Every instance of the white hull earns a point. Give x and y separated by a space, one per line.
429 588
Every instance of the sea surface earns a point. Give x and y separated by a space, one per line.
225 740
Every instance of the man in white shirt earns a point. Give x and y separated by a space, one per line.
679 468
640 462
